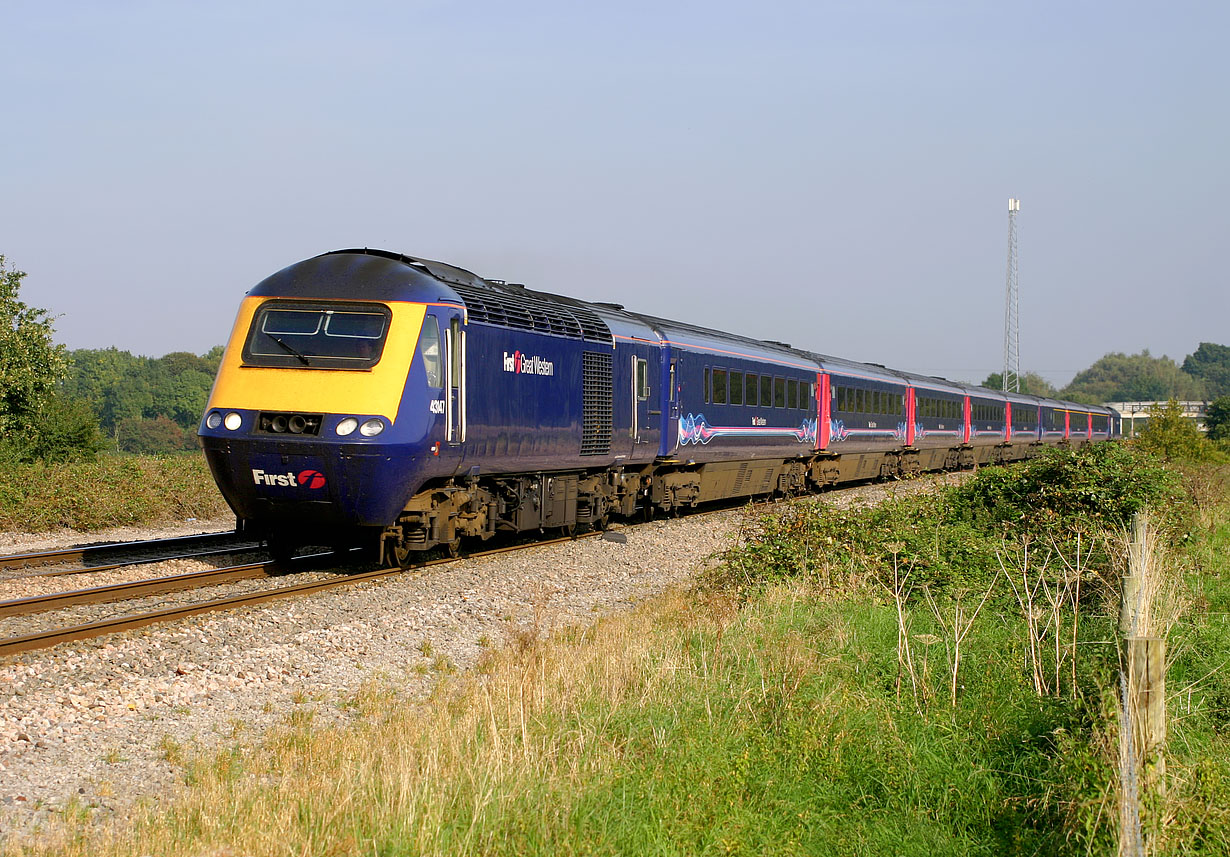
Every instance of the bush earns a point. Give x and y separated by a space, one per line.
61 429
152 437
110 492
1173 437
949 538
1095 487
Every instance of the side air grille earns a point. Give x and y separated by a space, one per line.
529 313
596 391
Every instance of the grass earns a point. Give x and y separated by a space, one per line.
686 727
110 492
766 718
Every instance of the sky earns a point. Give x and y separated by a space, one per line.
831 174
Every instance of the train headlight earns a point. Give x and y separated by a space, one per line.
213 420
233 421
371 428
347 426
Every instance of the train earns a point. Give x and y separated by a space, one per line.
367 397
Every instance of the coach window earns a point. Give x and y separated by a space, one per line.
779 392
792 393
719 386
706 385
766 391
752 385
736 388
429 350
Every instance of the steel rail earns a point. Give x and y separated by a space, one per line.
71 554
54 636
89 569
134 589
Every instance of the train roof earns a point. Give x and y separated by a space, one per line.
856 369
397 277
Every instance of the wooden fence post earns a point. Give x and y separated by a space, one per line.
1147 695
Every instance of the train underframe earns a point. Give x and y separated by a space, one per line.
482 506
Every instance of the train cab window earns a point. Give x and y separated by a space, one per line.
454 357
736 388
719 386
792 393
766 391
779 392
317 335
429 351
752 386
707 396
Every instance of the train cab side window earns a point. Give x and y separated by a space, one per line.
455 355
429 350
792 393
642 379
766 391
753 385
719 386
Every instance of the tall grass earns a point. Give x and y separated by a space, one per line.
767 716
112 491
687 727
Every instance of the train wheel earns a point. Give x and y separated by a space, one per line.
404 556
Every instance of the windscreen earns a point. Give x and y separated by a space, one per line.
317 335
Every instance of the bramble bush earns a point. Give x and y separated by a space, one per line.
949 537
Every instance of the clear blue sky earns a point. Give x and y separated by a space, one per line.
831 174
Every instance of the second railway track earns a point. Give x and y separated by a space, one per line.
45 638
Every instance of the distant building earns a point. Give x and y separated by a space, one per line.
1136 414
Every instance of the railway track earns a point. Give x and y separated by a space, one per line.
67 633
174 549
118 554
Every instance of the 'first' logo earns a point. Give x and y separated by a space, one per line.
310 479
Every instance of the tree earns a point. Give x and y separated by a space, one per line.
1172 435
1032 384
1217 418
122 388
1211 364
1133 378
30 363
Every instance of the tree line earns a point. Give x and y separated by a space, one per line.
57 404
1203 376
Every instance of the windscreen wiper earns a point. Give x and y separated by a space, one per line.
302 359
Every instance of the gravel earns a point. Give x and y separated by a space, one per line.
103 723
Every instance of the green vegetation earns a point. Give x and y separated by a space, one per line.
144 404
1133 378
1032 383
1210 363
1217 418
36 420
108 492
854 682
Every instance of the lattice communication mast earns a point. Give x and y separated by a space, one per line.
1012 317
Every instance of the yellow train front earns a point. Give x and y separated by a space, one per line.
332 404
